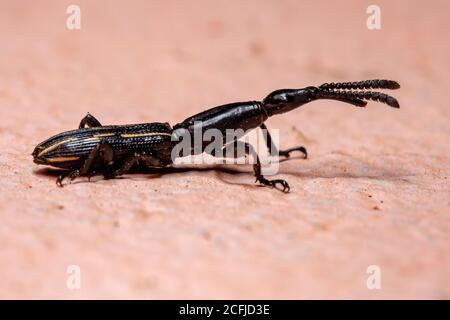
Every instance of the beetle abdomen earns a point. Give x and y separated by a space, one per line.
69 148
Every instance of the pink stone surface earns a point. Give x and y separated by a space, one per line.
375 191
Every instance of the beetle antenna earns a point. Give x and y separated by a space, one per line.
357 97
341 97
366 84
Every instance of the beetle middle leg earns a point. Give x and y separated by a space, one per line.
249 150
102 151
273 148
146 159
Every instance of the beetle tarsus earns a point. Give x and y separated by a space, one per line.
273 183
60 179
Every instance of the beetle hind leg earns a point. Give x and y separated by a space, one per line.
102 152
90 121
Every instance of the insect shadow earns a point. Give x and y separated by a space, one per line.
323 166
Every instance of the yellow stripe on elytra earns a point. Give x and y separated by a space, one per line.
62 159
149 134
99 136
102 135
53 146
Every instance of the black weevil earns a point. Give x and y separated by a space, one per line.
112 150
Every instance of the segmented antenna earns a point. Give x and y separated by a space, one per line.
341 97
366 84
356 97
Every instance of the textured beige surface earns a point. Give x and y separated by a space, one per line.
375 190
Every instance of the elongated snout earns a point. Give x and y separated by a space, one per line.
353 93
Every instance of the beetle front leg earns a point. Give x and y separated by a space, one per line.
102 151
90 121
249 150
273 148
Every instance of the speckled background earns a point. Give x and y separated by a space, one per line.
375 190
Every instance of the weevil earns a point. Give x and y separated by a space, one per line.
114 149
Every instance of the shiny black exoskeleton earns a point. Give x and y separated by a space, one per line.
113 150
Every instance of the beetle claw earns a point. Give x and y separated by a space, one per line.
59 181
273 183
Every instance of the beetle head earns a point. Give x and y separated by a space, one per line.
284 100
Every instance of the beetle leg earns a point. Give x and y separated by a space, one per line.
249 150
148 160
273 148
71 175
102 151
90 121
